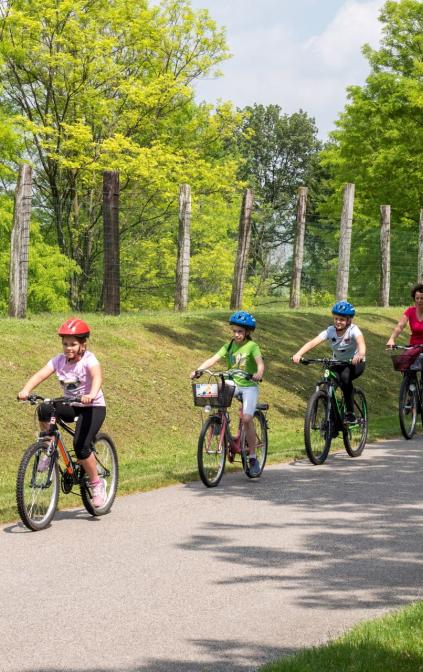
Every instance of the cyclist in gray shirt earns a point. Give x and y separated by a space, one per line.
348 347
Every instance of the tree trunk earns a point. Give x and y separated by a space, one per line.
19 244
345 243
420 259
111 284
298 254
184 248
385 254
244 238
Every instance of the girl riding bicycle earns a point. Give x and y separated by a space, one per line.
243 353
347 343
79 374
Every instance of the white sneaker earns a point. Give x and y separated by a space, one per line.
98 492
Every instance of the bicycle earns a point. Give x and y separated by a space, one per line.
324 417
40 472
216 442
410 401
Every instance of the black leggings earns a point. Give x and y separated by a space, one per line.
88 422
346 374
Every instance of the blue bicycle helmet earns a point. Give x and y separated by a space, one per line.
343 308
243 319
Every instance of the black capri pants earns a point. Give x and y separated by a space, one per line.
346 374
88 422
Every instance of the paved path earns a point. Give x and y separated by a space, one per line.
187 579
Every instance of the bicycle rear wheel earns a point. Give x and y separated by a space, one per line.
108 469
37 487
355 434
317 430
407 406
260 427
211 453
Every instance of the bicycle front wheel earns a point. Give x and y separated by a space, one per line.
407 406
211 453
317 430
37 487
260 428
108 469
355 434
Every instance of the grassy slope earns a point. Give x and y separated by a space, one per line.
146 362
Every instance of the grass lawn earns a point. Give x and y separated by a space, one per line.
146 362
393 643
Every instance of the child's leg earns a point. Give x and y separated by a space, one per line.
89 422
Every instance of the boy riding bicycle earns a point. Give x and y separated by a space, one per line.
347 343
242 353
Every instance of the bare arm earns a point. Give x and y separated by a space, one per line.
361 350
306 347
96 382
397 330
206 364
260 369
35 380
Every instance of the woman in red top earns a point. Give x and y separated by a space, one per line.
414 317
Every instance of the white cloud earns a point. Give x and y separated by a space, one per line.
275 62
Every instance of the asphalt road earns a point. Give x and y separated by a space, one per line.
188 579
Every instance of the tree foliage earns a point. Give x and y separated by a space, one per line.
102 85
378 145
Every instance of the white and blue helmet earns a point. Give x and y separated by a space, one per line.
243 319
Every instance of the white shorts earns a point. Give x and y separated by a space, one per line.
250 396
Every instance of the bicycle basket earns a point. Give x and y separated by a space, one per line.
217 395
405 359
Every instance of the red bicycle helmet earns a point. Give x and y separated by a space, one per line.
74 327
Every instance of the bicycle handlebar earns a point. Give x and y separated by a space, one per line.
33 398
225 374
404 347
325 360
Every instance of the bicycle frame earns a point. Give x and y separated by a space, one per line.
331 384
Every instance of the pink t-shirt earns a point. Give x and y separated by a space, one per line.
415 325
75 377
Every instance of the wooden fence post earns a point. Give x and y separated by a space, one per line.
385 254
244 238
345 243
420 259
19 244
298 254
184 248
111 278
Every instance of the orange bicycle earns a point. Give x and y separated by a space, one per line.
216 442
47 465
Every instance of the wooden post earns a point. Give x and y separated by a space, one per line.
345 243
244 238
385 254
111 283
184 248
19 244
420 259
298 253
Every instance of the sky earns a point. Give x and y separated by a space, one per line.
298 54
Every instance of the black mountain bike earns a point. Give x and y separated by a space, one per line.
410 402
47 465
324 418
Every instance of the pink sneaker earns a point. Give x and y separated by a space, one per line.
98 492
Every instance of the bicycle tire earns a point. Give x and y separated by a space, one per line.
37 492
355 435
107 468
211 453
317 430
260 426
407 407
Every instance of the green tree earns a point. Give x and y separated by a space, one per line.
378 145
280 154
107 85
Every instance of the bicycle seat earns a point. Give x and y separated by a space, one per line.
262 407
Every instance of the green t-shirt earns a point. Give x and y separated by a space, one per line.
241 357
